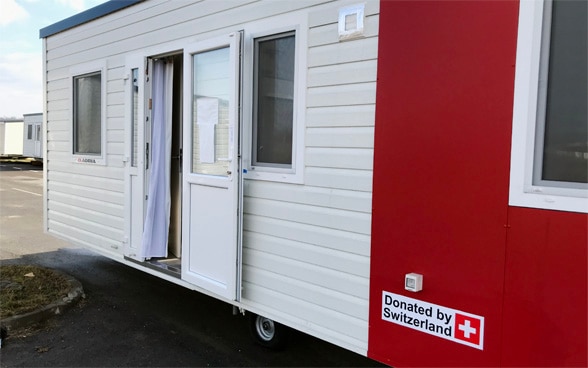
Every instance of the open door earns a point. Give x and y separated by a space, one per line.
211 168
38 147
135 156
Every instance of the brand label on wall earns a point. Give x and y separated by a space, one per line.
450 324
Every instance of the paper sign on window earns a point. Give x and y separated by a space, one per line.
206 118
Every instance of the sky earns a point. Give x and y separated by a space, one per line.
21 71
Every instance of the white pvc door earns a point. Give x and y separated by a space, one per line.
135 153
211 177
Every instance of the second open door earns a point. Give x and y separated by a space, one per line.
211 168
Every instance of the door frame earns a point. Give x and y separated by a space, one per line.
135 175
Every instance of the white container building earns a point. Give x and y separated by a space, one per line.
33 135
225 146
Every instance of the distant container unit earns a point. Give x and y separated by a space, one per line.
395 177
11 135
33 135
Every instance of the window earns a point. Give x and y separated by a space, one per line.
274 98
211 90
549 167
562 134
273 90
87 114
30 132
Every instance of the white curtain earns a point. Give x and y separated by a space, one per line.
156 228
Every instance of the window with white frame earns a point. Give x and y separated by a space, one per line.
549 167
30 132
273 93
87 115
274 98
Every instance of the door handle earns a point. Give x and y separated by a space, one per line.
146 156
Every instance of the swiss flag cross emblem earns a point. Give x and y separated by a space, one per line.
467 329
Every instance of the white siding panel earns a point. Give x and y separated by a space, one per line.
319 216
97 171
59 105
115 125
360 180
61 124
58 135
335 116
344 52
115 148
85 191
308 253
344 95
316 275
348 73
99 208
115 98
56 116
57 74
115 134
115 160
54 155
340 137
340 158
108 185
59 146
330 238
58 84
88 226
69 231
59 94
115 111
324 297
116 73
312 196
115 89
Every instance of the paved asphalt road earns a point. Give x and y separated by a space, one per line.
128 318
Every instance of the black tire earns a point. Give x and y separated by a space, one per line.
268 333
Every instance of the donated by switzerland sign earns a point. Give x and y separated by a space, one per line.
450 324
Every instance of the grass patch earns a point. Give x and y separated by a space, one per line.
24 288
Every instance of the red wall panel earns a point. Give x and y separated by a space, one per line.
440 200
442 146
545 300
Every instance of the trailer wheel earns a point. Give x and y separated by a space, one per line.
268 333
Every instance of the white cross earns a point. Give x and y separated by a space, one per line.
467 329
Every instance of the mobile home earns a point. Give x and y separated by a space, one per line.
33 135
11 137
394 177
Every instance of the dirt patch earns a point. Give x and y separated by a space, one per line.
25 288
